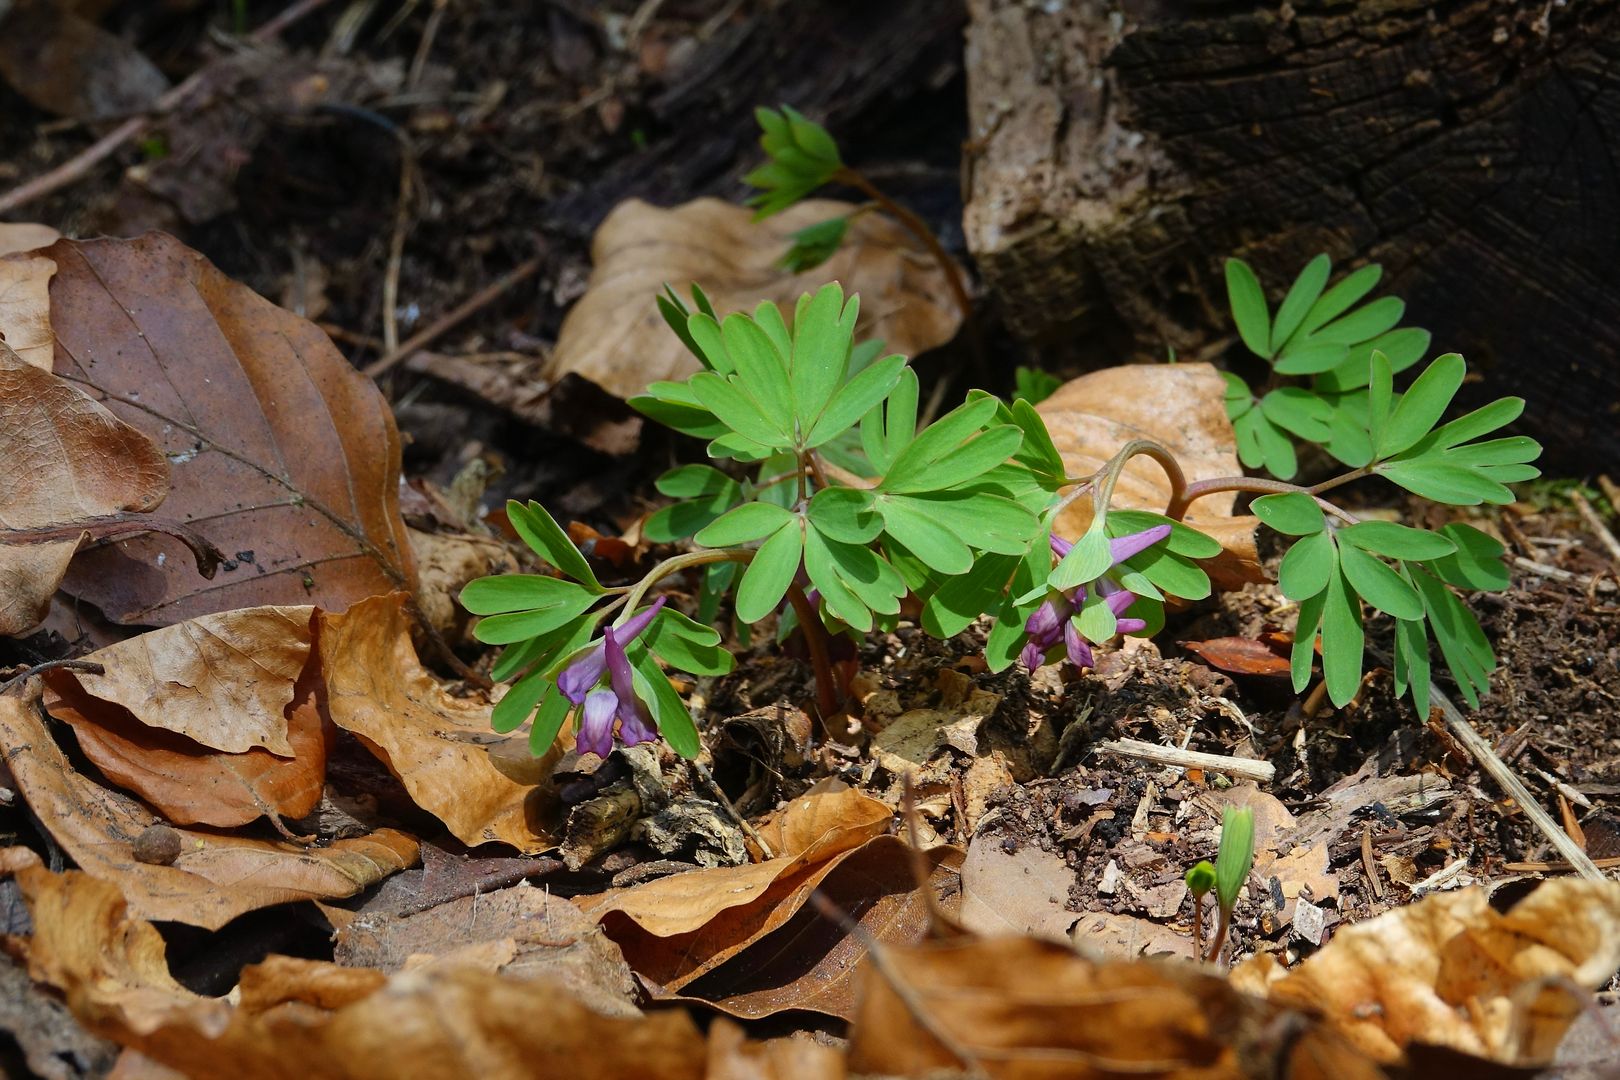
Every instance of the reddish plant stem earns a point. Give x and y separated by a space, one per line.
1198 926
918 228
815 640
1219 944
1191 493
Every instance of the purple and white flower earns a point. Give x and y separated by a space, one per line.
601 707
1054 622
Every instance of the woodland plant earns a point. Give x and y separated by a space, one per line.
827 502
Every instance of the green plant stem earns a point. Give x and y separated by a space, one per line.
917 227
673 566
815 640
1219 944
1253 484
1340 480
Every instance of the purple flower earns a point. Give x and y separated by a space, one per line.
601 706
1054 622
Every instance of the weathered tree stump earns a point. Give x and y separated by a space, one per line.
1472 147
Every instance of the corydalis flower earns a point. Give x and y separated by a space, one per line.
602 706
1054 622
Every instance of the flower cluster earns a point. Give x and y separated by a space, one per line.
617 701
1054 622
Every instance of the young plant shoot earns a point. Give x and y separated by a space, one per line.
828 504
1232 862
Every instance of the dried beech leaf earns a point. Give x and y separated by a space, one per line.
216 877
1239 655
675 928
65 64
221 680
189 783
484 786
1181 406
1452 971
25 304
283 455
1025 891
309 1020
63 461
615 337
25 236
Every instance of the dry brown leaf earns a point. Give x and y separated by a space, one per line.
18 236
1018 892
445 562
733 1056
65 64
189 783
615 337
675 928
310 1020
484 786
1240 655
222 680
64 460
1452 971
216 876
1023 1008
282 454
1182 407
811 963
25 303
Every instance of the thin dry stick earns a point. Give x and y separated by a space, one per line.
725 800
88 667
76 167
396 242
1262 772
445 323
1595 523
1510 783
425 45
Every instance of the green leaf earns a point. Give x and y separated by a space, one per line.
1308 567
1456 631
1412 663
1095 619
554 709
705 330
1340 298
1476 562
1305 291
669 712
994 522
1348 440
1378 585
814 245
546 652
520 701
1246 426
1443 482
770 573
910 522
1311 356
1482 421
738 448
1303 655
1248 302
845 514
836 596
687 645
981 453
1239 398
1038 452
546 539
1511 450
1422 405
855 399
738 409
937 440
748 522
760 369
1343 642
1364 323
1300 412
1404 347
768 317
822 332
1294 513
1396 541
694 481
1277 453
1175 574
1033 385
1183 538
964 597
518 592
717 581
1380 396
517 626
1086 561
1235 856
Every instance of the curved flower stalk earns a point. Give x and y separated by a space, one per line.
1056 621
601 706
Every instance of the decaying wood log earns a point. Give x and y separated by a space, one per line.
1470 146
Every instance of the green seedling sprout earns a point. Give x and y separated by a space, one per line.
1232 863
1200 879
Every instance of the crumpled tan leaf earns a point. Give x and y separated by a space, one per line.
63 459
1182 407
483 785
222 680
1450 970
216 876
25 304
615 337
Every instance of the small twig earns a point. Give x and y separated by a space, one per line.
88 667
1608 863
1595 523
113 526
1262 772
425 46
76 167
725 800
1515 788
1368 865
453 318
815 640
908 996
396 242
1558 574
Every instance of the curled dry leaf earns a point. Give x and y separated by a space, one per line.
1240 655
25 301
282 454
1181 406
221 680
615 337
216 876
675 928
189 783
1450 970
64 460
308 1020
484 786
